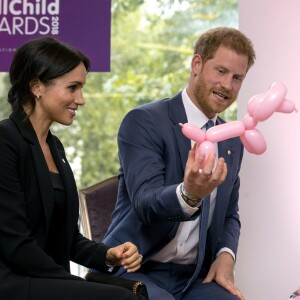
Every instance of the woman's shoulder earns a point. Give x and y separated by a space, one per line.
7 129
5 123
10 136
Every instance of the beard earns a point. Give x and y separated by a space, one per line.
203 94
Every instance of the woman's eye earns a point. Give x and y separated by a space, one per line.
72 88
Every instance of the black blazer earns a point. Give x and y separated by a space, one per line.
26 206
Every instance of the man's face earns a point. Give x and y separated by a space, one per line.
216 83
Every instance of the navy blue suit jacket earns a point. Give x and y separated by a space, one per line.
153 152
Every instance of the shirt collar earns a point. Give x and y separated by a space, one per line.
193 113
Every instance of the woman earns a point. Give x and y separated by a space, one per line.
38 195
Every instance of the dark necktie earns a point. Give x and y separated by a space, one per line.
209 124
202 240
202 228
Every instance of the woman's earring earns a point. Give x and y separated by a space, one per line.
37 97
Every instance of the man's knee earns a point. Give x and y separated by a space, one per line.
211 291
154 291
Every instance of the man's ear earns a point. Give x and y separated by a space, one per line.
35 86
196 64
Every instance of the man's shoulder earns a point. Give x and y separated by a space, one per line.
154 104
160 105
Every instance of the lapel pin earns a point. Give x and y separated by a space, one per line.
228 152
63 160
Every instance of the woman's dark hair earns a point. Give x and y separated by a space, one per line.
44 59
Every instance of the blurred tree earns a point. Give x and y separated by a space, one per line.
4 106
151 47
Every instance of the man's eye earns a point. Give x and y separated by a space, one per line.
237 78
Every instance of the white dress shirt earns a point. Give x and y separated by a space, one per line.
183 248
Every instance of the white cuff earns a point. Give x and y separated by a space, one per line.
189 210
225 249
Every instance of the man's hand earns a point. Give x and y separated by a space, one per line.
125 255
221 271
201 183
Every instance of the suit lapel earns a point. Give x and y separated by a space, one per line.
42 172
225 150
177 115
44 181
67 178
39 163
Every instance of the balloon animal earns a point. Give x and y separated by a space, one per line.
260 107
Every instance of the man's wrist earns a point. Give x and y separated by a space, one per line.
227 250
189 199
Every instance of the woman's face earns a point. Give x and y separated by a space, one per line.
60 99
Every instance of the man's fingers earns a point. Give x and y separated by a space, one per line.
220 171
197 163
234 291
209 164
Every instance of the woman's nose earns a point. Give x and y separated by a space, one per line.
79 99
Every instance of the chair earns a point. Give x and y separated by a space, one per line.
97 203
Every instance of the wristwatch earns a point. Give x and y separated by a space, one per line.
189 199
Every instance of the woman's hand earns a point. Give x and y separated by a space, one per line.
125 255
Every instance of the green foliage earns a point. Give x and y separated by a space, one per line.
151 49
4 105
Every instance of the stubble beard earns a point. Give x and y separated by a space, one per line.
202 94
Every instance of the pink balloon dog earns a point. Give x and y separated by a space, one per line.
260 107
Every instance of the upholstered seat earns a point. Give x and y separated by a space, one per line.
97 203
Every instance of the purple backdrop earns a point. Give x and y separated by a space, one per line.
85 24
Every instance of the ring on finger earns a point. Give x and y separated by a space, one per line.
205 174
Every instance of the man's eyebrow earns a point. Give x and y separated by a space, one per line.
227 70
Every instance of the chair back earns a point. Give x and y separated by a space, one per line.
97 203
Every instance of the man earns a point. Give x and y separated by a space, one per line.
163 186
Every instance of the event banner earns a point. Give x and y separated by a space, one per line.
85 24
